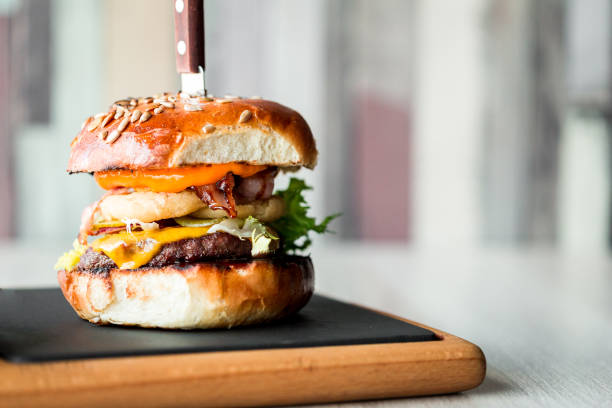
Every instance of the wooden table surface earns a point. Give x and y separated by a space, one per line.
542 318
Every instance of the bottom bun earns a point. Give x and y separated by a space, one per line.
218 294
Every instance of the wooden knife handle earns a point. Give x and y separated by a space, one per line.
189 35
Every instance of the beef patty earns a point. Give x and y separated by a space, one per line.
217 245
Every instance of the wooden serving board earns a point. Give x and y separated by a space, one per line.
330 351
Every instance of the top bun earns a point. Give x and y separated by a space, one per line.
171 131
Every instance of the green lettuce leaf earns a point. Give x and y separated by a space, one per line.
261 236
295 226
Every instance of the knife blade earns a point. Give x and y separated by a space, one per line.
189 39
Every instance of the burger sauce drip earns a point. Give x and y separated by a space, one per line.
219 195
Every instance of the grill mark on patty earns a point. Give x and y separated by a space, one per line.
211 246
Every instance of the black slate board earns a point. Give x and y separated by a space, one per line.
39 325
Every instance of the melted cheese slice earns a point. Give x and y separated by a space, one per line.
132 250
173 180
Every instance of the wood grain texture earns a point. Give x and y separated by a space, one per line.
542 317
246 378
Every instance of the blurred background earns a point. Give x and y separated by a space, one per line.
468 124
466 142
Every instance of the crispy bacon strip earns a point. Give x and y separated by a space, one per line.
219 195
87 217
112 230
106 230
222 195
257 187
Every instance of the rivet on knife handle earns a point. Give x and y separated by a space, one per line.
189 35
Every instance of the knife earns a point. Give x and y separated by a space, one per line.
189 39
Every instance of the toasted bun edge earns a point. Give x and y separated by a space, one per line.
219 294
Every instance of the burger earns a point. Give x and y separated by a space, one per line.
190 233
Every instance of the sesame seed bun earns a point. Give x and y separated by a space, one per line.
218 294
175 130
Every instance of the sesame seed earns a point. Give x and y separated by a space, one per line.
112 136
168 105
208 128
124 123
223 100
256 97
94 123
172 99
232 97
102 135
119 113
192 108
145 116
135 116
107 119
158 110
245 116
147 100
134 102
